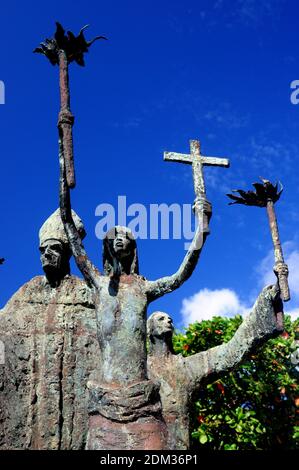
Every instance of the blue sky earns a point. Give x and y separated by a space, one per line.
218 71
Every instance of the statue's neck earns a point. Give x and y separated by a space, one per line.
161 347
55 277
121 267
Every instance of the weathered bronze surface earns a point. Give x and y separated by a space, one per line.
197 161
62 50
121 300
181 377
48 329
77 373
266 195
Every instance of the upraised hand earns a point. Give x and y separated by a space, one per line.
281 269
203 210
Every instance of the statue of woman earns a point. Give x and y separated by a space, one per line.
121 300
122 295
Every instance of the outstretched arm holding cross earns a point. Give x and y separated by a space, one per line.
164 285
88 270
203 212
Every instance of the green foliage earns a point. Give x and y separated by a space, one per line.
257 405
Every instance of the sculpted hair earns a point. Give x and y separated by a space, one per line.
110 263
150 328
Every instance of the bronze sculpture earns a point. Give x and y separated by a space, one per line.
128 404
181 377
48 329
122 297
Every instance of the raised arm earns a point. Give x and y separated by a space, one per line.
264 322
155 289
88 270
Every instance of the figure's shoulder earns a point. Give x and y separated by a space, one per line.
26 290
72 290
35 282
181 362
75 290
172 364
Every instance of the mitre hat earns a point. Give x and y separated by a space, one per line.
53 228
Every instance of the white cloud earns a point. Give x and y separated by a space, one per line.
207 303
225 302
294 313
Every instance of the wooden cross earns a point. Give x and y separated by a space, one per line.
197 161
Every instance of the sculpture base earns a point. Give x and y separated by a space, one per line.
143 434
126 418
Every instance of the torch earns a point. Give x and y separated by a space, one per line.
62 50
266 195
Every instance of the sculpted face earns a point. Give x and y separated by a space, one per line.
120 252
52 255
161 324
121 245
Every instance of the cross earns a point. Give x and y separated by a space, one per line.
197 161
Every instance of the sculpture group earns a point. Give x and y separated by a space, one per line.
77 372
